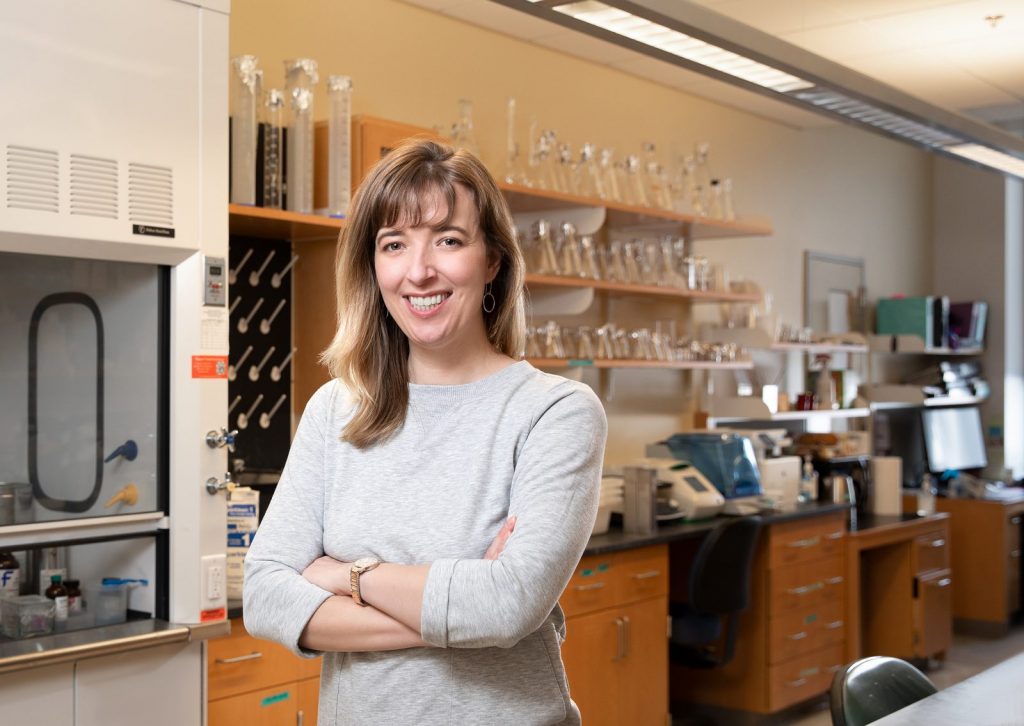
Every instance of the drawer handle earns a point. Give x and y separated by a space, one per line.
834 580
797 683
835 624
944 582
1015 520
620 639
646 575
591 586
834 668
802 544
805 589
797 636
629 635
1015 554
239 658
835 535
937 543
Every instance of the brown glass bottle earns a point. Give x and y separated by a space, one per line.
74 596
59 594
10 574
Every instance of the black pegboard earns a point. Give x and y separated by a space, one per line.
255 339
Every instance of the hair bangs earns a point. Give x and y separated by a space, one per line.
416 196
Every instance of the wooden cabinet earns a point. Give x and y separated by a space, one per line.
907 589
792 637
616 649
986 563
256 682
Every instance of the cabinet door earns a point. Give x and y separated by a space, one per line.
160 686
276 706
309 701
1013 603
593 654
39 696
933 614
643 694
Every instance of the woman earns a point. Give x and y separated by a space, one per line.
438 493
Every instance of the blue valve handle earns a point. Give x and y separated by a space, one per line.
124 581
129 450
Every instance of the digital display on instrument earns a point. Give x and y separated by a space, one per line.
216 270
697 484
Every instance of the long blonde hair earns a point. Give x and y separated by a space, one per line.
369 352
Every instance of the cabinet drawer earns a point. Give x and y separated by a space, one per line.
277 706
799 587
810 629
931 552
803 677
806 540
602 581
238 663
642 577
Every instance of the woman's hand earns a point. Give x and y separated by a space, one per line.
330 574
500 539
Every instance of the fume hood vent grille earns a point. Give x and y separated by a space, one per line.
94 186
33 179
150 195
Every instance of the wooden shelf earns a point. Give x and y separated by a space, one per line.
280 224
617 363
623 288
527 199
936 402
812 348
839 413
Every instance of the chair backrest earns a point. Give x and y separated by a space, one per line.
720 578
871 688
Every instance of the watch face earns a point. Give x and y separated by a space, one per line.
364 562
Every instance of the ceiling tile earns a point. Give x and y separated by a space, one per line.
783 16
435 4
920 74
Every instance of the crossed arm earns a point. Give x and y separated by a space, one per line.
394 594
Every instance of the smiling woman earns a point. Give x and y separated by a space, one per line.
438 493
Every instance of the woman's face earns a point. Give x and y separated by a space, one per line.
432 276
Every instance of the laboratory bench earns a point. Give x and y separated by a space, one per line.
821 594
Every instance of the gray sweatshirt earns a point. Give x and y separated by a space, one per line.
518 442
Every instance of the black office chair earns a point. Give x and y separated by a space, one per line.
871 688
719 589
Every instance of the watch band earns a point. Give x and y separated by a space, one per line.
358 568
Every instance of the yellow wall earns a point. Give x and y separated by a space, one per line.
832 189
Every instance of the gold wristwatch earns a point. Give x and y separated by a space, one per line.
363 564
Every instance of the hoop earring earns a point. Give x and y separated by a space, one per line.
489 303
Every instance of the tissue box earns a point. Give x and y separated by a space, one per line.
243 508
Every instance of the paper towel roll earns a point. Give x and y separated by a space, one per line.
887 485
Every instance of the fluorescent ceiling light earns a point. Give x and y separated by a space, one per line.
988 157
681 45
691 36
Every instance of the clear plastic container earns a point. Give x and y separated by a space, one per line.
26 615
109 604
301 75
339 145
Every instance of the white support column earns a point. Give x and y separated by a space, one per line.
1013 395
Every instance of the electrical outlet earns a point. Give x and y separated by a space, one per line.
213 574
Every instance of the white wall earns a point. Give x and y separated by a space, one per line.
834 189
968 262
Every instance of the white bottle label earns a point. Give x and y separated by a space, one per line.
9 581
61 608
74 604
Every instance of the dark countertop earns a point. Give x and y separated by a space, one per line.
615 539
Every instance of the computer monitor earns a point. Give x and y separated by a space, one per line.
953 439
